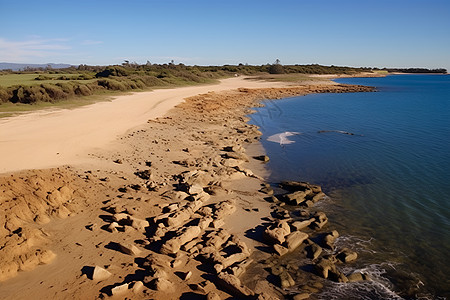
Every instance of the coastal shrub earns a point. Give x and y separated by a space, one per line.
28 94
55 92
82 90
113 71
84 77
111 84
276 69
5 96
43 77
138 82
67 88
151 81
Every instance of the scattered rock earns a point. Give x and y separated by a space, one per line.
263 158
173 245
100 274
299 225
280 250
212 296
129 249
164 285
138 286
346 255
233 285
266 190
329 239
120 289
313 251
301 296
295 239
323 267
185 275
276 234
286 280
92 227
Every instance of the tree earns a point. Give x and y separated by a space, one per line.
276 68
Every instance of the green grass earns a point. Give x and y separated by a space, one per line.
29 79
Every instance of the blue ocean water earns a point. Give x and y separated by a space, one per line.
388 181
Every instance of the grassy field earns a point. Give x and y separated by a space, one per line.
29 79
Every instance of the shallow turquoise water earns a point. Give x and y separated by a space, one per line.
389 182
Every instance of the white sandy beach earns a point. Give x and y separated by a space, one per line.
52 138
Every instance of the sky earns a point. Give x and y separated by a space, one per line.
368 33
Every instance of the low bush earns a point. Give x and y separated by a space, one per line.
55 92
82 90
43 77
111 84
5 96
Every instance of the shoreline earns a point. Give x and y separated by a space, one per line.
191 161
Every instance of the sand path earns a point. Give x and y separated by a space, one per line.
47 139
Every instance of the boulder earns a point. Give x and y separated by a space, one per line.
280 250
346 255
119 290
120 217
100 274
266 190
234 148
173 245
164 285
231 162
217 238
329 239
138 286
320 220
263 158
113 227
294 239
295 198
233 285
178 218
301 296
236 155
276 234
323 267
357 276
299 225
300 186
241 267
129 249
92 227
212 296
175 195
337 276
354 277
139 224
313 251
186 275
195 189
319 196
286 280
224 208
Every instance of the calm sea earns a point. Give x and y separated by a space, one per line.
388 181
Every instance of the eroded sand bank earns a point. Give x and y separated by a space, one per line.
170 209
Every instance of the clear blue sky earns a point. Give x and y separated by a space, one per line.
378 33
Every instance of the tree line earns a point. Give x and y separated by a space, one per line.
88 80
